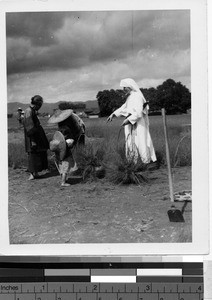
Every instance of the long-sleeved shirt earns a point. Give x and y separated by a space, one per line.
35 137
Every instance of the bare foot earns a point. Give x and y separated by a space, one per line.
31 177
65 184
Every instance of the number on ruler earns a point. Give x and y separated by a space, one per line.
200 288
147 287
95 288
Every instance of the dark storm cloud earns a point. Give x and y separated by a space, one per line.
66 40
161 30
38 27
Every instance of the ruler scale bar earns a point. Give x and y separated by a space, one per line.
66 272
94 259
159 272
5 272
114 265
113 278
6 288
104 279
192 279
169 279
22 279
193 271
67 278
159 279
104 296
113 272
101 281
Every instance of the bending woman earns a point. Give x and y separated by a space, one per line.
136 124
36 143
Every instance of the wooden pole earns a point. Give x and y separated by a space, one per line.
168 156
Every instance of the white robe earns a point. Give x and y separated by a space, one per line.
137 137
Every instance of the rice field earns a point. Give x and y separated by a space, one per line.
110 137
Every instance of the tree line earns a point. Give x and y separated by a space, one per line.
71 105
173 96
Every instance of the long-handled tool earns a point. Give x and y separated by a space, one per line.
58 169
175 215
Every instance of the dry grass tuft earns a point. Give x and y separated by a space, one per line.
125 171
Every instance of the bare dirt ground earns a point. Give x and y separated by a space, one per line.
41 211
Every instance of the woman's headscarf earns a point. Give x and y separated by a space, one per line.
129 82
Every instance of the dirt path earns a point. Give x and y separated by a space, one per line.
43 212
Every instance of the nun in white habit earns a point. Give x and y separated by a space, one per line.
136 124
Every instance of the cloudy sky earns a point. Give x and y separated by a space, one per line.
73 55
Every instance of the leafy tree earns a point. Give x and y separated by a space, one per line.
109 100
173 96
104 102
151 97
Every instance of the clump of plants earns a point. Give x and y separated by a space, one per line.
182 155
90 162
125 170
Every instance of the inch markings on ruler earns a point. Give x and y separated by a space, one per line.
114 281
101 291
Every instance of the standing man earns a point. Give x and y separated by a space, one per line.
36 143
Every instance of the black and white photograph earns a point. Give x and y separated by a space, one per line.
104 126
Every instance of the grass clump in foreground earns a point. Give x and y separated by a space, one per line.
90 162
124 170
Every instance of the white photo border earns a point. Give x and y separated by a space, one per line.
200 163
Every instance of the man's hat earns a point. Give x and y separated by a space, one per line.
60 115
58 145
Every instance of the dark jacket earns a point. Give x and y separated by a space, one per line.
35 137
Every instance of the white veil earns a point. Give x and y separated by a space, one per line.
129 82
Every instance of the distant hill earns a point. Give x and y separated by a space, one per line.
46 107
